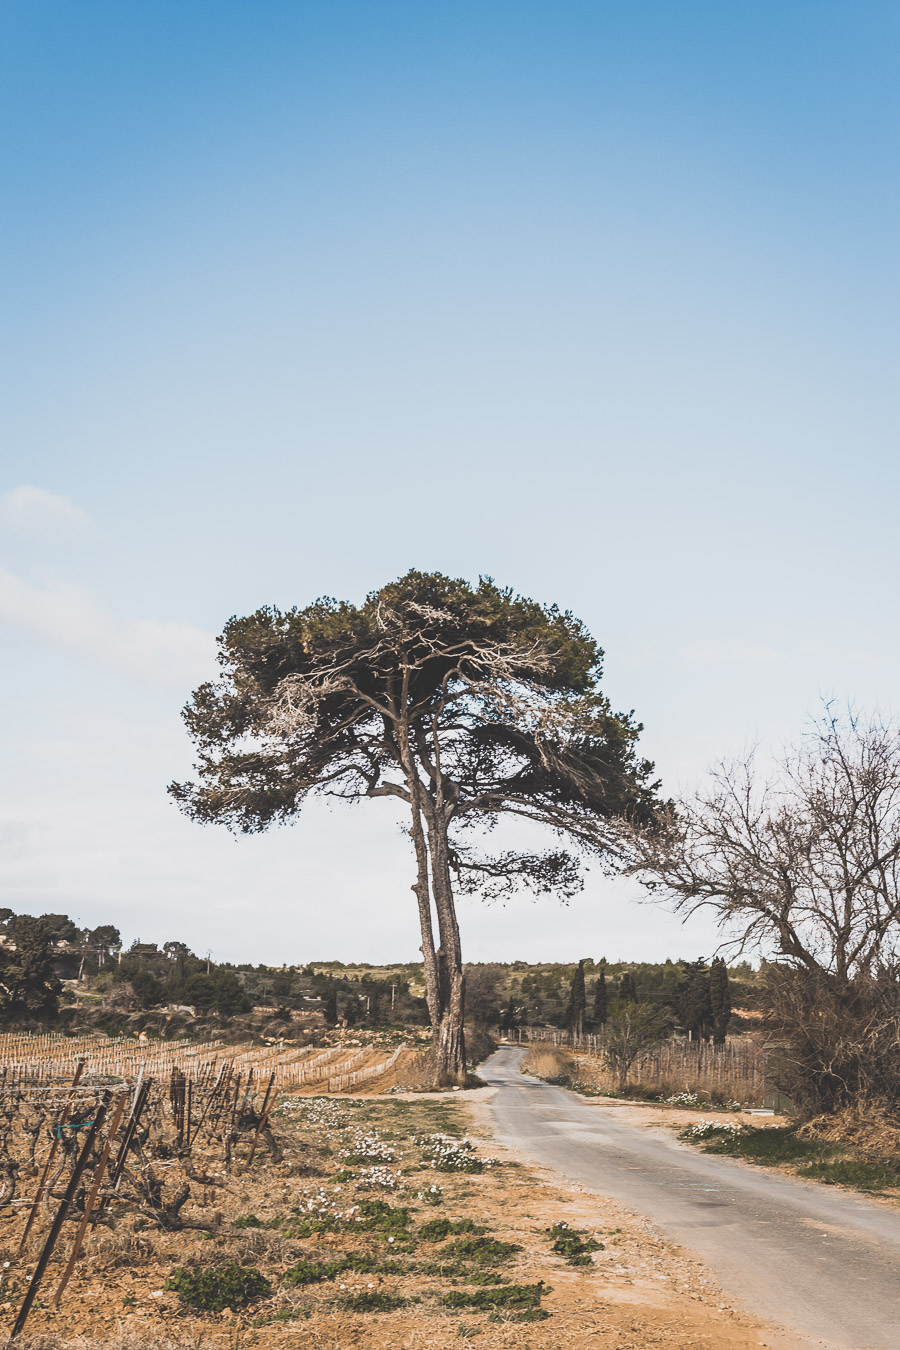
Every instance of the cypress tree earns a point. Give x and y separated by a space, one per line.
577 1001
330 1006
601 999
627 988
719 999
509 1018
694 1007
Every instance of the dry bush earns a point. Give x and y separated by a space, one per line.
647 1081
413 1072
714 1078
872 1127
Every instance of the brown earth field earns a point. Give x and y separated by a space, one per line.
343 1231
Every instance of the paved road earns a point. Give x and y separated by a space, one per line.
821 1262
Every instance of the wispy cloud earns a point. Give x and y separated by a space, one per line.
32 510
69 617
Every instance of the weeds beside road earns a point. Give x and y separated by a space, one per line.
804 1154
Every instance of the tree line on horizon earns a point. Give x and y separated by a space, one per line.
44 959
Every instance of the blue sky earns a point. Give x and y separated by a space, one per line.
598 298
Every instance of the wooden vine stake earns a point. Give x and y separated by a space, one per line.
263 1117
59 1220
57 1135
91 1199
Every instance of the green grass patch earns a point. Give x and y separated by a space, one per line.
218 1288
773 1145
248 1221
862 1176
574 1244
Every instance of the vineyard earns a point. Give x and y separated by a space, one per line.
337 1068
96 1129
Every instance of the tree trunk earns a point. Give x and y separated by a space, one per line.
449 1041
421 888
444 978
449 1051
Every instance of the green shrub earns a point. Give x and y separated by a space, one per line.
459 1270
248 1221
363 1264
485 1277
575 1245
377 1216
312 1272
484 1251
218 1288
510 1298
373 1301
438 1229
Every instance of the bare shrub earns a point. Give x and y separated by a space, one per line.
839 1039
631 1029
120 1248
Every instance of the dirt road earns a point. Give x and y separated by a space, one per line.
821 1262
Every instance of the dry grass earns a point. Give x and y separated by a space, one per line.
548 1061
869 1127
589 1072
117 1340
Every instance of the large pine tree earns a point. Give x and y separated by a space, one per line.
465 704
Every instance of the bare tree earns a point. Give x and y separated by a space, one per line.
804 867
631 1028
466 704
